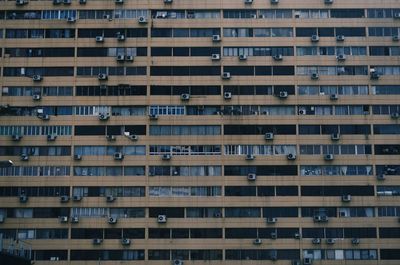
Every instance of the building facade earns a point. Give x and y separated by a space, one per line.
184 132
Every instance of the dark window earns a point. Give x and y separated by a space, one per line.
240 191
170 212
313 233
306 32
347 13
157 254
261 170
205 233
323 211
280 212
241 233
351 32
161 51
259 129
389 232
159 233
86 233
390 254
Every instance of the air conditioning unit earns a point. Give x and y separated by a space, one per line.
395 115
330 241
346 198
82 2
185 97
269 136
71 19
374 75
253 15
133 137
278 57
248 1
396 15
23 198
67 2
273 235
283 94
242 57
302 111
341 57
291 157
307 261
227 95
334 97
118 156
314 76
21 2
120 58
335 136
142 20
177 262
340 38
272 220
216 38
395 37
16 137
168 1
36 97
355 241
109 17
64 198
97 241
111 137
328 2
24 157
120 37
250 157
328 157
215 57
314 38
297 235
119 1
77 198
37 78
321 218
217 214
251 177
44 117
110 198
125 241
51 137
257 241
75 219
104 116
77 157
161 219
316 241
99 39
226 75
380 177
166 157
112 220
153 116
63 219
129 58
102 76
274 2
